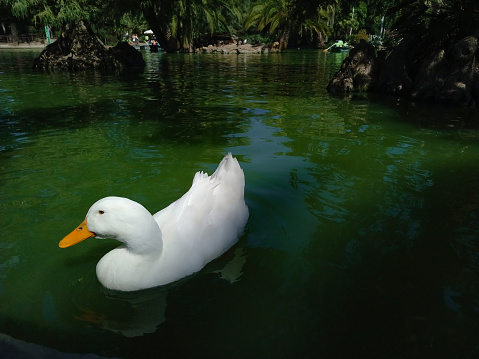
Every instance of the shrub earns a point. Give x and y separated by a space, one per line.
361 35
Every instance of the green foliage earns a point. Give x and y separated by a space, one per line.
185 21
348 25
259 39
436 23
52 12
361 35
281 18
317 24
180 23
19 8
273 14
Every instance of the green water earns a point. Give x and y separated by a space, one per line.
362 240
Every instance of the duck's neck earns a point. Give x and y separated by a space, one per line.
143 239
129 266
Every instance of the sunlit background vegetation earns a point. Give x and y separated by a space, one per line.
187 24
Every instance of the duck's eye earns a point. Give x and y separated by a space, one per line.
101 212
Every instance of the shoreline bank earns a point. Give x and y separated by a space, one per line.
29 45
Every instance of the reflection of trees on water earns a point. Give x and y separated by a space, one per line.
199 98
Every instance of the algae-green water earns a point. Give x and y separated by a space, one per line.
363 234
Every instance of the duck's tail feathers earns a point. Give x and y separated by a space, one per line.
229 165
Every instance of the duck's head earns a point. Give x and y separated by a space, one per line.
115 217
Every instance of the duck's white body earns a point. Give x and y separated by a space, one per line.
173 243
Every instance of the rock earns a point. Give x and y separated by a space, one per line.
444 75
234 48
461 78
358 71
78 48
393 76
431 76
128 55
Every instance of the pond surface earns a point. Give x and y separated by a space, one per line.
363 234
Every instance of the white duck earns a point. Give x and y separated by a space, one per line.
175 242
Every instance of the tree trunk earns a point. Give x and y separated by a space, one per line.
159 23
320 44
283 40
13 28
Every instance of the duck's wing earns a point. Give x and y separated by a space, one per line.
209 217
194 205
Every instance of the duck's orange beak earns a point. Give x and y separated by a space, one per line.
76 236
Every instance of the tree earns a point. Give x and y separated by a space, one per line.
436 23
54 12
182 25
178 24
281 17
371 15
38 13
276 15
318 25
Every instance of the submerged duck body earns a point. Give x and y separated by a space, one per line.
173 243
